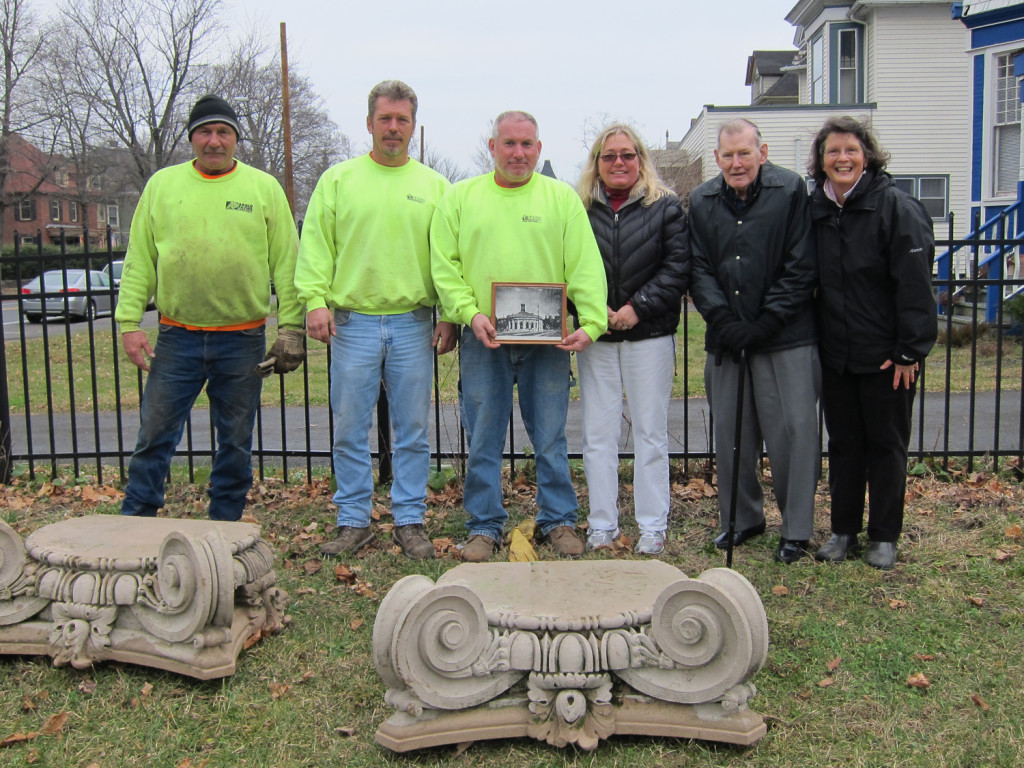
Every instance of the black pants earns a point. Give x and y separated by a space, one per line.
868 426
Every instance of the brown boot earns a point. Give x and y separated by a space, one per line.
414 541
565 542
347 541
478 549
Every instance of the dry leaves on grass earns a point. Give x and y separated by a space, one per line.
1001 555
978 601
826 683
918 680
698 488
780 591
898 605
279 690
980 702
1014 532
833 665
54 724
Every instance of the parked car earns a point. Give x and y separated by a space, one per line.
115 278
77 293
115 273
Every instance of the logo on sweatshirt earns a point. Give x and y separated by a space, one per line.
531 219
233 206
415 199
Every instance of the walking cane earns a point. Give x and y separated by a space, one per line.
736 455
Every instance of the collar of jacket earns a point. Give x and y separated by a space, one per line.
768 177
864 198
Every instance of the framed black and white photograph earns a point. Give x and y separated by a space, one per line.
528 313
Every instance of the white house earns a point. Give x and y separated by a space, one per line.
899 64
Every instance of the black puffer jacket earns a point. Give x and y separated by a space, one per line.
646 255
875 256
761 261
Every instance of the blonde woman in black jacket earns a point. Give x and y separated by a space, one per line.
876 323
641 230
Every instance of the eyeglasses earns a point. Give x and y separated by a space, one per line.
611 157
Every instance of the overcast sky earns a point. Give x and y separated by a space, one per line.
653 63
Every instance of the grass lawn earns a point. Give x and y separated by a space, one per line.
90 365
844 639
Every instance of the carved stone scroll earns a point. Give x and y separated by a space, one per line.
181 595
569 653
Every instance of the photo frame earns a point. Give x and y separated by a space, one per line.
529 313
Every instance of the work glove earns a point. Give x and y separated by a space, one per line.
287 353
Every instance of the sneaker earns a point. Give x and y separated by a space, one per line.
478 549
651 543
414 541
347 541
601 539
565 542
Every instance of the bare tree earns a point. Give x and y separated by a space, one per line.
22 44
482 161
445 166
252 83
679 170
139 63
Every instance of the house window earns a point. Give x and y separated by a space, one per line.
848 61
1006 141
25 210
55 209
818 70
101 214
72 210
112 217
932 191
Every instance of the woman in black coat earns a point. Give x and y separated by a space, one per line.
876 323
641 230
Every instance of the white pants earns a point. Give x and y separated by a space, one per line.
644 370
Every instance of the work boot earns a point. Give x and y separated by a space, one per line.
347 541
414 541
478 549
565 542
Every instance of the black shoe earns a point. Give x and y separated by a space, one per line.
790 550
722 540
838 547
880 554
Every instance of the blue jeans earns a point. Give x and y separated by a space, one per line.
185 361
542 375
366 350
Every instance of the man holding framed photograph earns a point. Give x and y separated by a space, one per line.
513 225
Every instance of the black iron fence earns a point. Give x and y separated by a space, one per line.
69 397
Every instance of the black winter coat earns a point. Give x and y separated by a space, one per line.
646 255
875 255
761 261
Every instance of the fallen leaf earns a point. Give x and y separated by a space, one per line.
833 665
27 705
345 574
918 680
308 675
18 738
364 588
312 566
311 527
1014 532
1001 555
55 723
306 591
828 681
924 657
186 763
461 747
342 731
980 702
898 604
780 591
926 512
979 601
277 690
355 624
87 686
146 689
32 757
